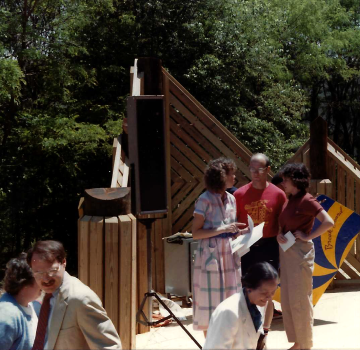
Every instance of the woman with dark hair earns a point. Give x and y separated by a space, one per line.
18 320
216 271
237 322
297 262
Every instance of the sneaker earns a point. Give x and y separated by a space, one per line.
277 314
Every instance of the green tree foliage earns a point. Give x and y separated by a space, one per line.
264 68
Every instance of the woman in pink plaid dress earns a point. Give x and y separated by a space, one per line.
217 273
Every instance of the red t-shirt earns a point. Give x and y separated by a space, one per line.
299 213
261 205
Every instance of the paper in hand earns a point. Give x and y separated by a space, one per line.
290 241
244 242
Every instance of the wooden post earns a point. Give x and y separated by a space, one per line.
107 256
318 148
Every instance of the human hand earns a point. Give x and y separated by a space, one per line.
233 228
301 235
242 232
281 238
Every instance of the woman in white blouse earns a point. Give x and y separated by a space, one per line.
237 321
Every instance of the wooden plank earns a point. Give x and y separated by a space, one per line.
186 189
97 256
350 192
342 161
115 170
333 146
206 117
195 134
180 169
349 271
325 187
354 262
136 80
119 179
184 159
125 179
332 176
175 176
298 156
340 276
133 293
125 277
116 141
209 134
111 303
176 187
83 249
81 207
188 201
184 219
306 158
142 272
167 222
181 133
341 181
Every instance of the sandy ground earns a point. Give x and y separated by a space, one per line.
337 326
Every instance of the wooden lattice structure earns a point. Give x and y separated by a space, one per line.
193 137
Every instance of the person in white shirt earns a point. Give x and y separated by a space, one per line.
237 322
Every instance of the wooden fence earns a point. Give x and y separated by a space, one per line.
344 173
107 258
193 137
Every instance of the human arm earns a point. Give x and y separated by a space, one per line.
326 223
9 327
199 232
94 323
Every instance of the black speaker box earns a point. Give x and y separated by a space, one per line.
146 127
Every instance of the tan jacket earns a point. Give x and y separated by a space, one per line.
79 321
231 325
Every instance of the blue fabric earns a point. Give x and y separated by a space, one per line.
254 311
14 325
226 235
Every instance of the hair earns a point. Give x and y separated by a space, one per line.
48 250
216 172
298 173
18 275
256 156
258 274
277 179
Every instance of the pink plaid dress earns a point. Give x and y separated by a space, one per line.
217 273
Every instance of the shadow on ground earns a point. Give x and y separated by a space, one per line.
277 325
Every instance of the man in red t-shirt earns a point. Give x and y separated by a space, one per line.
263 201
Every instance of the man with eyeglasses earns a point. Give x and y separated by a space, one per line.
263 202
71 316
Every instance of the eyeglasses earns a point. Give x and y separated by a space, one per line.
50 273
258 170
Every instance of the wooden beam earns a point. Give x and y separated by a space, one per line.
96 256
83 249
112 285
